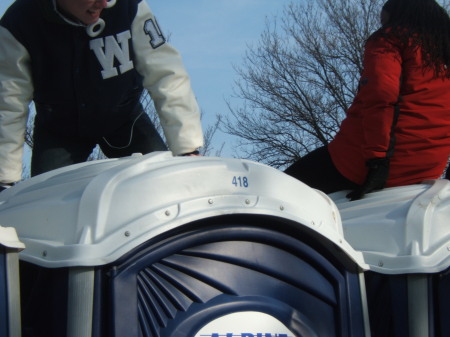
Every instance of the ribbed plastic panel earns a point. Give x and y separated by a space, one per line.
175 285
440 309
388 305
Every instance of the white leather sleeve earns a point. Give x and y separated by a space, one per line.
168 84
16 91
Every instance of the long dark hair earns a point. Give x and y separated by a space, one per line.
425 23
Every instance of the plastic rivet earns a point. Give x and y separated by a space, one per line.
127 233
247 201
44 253
281 208
380 264
210 201
167 213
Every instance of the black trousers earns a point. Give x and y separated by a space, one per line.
317 170
51 151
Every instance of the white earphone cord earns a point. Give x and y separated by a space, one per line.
131 136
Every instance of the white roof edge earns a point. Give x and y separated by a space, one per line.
54 255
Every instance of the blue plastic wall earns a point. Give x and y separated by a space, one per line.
174 284
388 304
179 282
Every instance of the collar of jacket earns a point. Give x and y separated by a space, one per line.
52 14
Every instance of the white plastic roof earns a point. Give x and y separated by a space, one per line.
400 230
92 213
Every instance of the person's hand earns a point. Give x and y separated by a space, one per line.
376 178
4 186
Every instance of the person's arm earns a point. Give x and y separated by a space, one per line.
16 91
168 84
378 96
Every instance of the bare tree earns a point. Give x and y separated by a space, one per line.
299 79
209 132
208 148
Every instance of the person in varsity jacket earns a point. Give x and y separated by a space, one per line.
85 63
397 130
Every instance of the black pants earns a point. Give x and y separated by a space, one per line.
52 151
318 171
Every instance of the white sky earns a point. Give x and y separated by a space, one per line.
211 36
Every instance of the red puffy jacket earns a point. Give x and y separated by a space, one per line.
394 81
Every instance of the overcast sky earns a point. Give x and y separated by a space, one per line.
211 36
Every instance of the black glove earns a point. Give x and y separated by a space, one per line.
4 186
376 178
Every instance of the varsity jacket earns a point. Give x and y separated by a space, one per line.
88 86
401 111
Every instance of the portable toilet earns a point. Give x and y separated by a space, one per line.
404 235
163 246
9 283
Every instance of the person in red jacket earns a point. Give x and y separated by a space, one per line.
397 130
